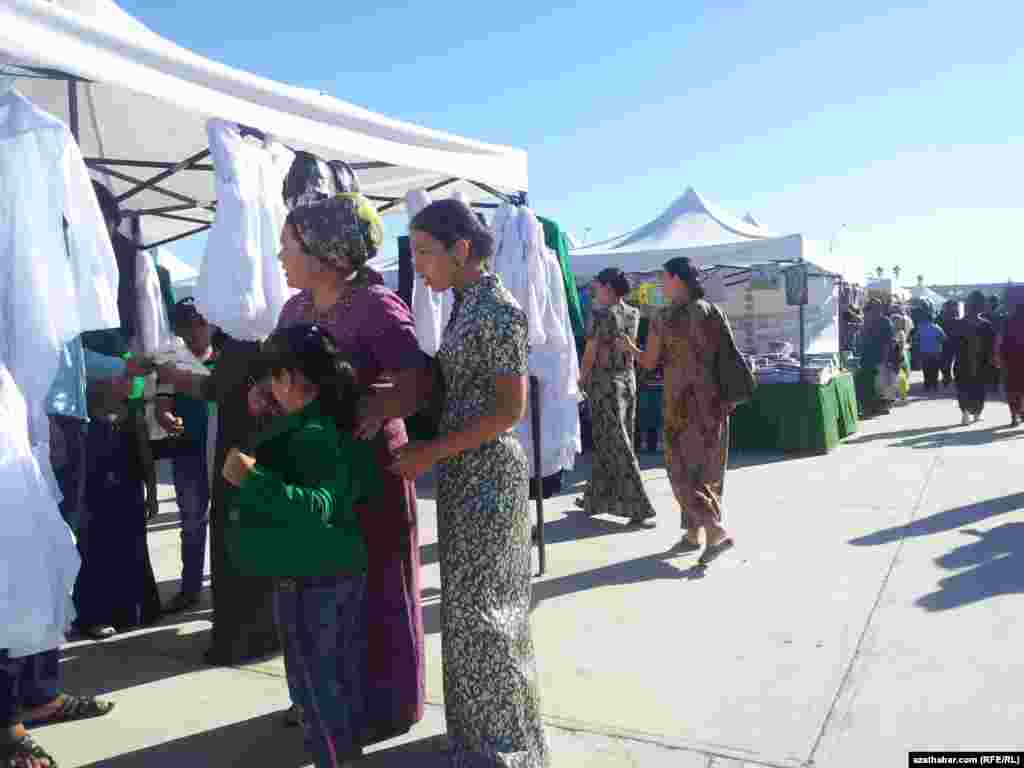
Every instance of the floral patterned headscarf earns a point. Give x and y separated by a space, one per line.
345 226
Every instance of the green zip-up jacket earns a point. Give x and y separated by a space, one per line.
294 515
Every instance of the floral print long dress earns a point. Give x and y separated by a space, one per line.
616 486
696 425
492 702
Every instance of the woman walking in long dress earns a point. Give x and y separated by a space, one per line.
616 486
686 338
975 359
492 702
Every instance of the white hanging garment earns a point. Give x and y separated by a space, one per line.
430 310
38 558
240 287
556 367
154 332
518 256
51 288
276 162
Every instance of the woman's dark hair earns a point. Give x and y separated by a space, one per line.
108 203
615 279
682 268
976 302
449 221
310 350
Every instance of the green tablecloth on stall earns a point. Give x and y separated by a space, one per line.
788 417
797 417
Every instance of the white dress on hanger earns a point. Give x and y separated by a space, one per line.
430 310
241 286
51 289
518 255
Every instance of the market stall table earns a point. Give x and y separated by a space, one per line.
799 417
805 418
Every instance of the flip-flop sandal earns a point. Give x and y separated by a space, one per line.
74 708
25 749
293 716
685 547
713 551
642 522
580 504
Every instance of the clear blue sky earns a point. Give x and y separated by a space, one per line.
905 125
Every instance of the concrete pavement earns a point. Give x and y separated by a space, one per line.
871 607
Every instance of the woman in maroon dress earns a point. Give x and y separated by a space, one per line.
324 250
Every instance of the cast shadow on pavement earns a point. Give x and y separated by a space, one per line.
964 438
641 569
990 564
262 741
573 526
906 434
948 520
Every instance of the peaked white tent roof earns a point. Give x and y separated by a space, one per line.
691 227
143 102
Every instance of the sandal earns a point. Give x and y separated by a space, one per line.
74 708
293 716
712 552
685 546
23 750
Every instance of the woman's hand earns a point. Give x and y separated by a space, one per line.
414 459
169 374
237 467
165 417
627 345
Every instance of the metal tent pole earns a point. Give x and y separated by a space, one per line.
535 417
73 109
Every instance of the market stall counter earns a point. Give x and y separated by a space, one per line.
793 417
798 417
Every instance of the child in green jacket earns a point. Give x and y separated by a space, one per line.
293 518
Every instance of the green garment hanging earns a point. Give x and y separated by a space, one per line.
556 240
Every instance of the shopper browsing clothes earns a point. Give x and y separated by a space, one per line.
686 337
975 361
608 376
294 519
491 695
187 420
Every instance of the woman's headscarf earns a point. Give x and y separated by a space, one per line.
340 228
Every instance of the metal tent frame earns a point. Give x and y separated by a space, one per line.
180 205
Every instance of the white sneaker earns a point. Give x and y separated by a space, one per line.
977 418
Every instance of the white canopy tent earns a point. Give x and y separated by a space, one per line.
691 227
712 237
139 103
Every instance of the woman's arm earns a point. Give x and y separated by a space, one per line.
408 393
648 358
589 358
186 383
510 407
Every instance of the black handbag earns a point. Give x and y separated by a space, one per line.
736 382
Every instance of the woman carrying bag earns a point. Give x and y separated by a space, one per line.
705 378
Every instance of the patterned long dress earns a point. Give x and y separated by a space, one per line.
696 426
492 702
373 328
616 486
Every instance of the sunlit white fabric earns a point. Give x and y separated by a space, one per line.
38 558
518 249
52 287
430 310
241 286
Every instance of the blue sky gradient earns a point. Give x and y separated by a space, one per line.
903 124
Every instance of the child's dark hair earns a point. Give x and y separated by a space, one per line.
310 350
615 279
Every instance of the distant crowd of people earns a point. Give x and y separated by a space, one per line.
979 351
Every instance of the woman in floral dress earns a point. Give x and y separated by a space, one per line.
616 486
492 703
685 338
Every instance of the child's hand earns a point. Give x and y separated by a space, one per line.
237 467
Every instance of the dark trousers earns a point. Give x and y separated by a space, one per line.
27 682
192 489
320 620
931 365
971 393
948 356
68 457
